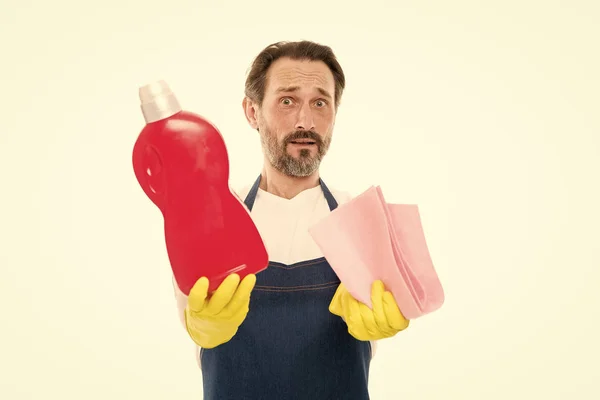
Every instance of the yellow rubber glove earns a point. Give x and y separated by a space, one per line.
213 321
383 321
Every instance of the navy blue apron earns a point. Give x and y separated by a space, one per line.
290 347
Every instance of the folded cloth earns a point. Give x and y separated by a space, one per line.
367 239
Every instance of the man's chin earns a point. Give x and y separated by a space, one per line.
308 155
298 169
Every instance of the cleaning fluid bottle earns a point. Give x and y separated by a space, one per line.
180 160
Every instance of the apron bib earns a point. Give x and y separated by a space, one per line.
289 347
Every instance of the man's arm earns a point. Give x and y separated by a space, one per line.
181 300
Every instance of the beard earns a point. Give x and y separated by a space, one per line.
306 163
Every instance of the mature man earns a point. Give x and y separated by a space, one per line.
292 331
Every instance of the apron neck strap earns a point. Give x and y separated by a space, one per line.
251 197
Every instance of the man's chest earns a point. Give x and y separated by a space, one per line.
285 233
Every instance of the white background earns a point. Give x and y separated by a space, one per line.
483 113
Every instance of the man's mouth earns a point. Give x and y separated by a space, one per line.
303 141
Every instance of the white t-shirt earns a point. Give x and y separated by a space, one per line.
283 225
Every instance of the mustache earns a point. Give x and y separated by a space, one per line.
312 135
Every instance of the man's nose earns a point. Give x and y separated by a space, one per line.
305 120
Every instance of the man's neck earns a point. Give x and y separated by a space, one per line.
286 186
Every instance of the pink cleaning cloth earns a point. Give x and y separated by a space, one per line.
368 239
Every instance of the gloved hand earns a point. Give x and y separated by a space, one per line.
383 321
213 321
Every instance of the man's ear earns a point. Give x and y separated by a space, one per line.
250 111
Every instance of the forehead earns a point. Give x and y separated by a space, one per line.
303 74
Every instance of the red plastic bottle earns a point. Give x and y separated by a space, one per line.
181 162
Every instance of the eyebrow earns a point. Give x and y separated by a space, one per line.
288 89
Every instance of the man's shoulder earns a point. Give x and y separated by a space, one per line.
340 195
242 191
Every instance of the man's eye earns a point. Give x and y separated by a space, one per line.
286 101
320 103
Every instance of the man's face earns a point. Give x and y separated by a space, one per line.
297 116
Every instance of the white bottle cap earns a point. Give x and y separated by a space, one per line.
158 101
